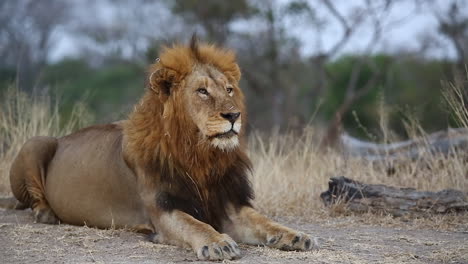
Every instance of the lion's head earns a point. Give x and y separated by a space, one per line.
198 87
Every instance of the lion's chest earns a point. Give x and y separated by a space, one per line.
207 202
206 205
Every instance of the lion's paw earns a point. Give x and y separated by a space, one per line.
222 248
288 240
45 216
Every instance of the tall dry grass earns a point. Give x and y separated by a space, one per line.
23 116
290 171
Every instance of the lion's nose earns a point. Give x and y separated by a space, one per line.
232 117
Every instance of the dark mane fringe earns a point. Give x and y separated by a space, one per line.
205 203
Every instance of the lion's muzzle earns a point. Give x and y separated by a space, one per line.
226 137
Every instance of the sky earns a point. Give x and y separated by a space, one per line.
404 36
411 23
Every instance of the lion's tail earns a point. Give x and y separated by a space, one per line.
11 203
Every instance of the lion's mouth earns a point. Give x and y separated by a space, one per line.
227 134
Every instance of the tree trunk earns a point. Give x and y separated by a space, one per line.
360 197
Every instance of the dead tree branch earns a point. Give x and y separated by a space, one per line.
361 198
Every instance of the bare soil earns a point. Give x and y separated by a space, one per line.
343 240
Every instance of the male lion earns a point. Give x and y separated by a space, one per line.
176 168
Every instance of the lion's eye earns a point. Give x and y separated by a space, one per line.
202 91
229 90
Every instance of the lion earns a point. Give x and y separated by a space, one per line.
175 169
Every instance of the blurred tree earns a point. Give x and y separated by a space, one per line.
373 12
272 65
28 28
213 16
408 87
453 24
114 30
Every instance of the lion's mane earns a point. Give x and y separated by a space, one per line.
189 174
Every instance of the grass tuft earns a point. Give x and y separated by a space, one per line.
23 116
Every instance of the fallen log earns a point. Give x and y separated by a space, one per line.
443 142
360 197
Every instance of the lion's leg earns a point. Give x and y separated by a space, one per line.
181 229
248 226
28 174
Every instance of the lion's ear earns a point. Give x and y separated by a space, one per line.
161 81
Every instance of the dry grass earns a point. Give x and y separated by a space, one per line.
23 117
291 172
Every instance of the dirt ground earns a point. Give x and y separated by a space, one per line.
343 240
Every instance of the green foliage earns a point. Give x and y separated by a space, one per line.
341 72
408 88
416 89
7 78
105 89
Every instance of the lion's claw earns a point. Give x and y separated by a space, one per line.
291 241
225 248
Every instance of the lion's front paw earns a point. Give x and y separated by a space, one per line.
223 247
291 240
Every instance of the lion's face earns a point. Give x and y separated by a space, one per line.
215 105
